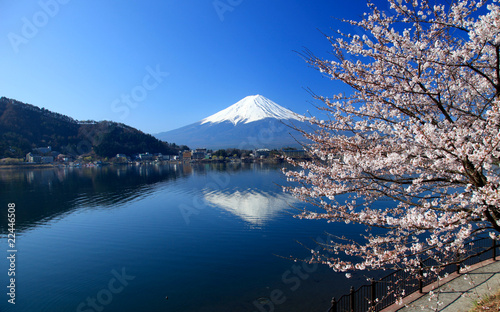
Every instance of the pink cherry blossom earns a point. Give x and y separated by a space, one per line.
419 135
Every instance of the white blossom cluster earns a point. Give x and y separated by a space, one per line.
421 129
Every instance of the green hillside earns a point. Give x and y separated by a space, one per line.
24 127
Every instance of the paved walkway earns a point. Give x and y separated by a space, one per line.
457 293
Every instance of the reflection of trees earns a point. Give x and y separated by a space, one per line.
44 194
233 167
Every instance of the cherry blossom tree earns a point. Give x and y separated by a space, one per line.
418 135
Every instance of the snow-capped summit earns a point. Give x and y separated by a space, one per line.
251 123
250 109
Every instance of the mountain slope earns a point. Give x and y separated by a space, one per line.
253 122
24 126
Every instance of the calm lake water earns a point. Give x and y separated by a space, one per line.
208 237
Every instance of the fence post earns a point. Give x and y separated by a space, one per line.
457 257
373 293
333 308
352 300
494 249
421 278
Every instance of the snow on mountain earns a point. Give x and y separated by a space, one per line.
252 205
249 109
253 122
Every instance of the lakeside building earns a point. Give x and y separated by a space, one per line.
161 157
39 159
64 158
145 156
199 153
47 159
33 158
186 155
261 153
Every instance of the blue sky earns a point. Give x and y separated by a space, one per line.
160 65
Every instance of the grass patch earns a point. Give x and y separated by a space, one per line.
488 303
11 161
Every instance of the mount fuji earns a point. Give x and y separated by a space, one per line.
253 122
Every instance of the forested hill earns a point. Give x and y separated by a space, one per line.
24 127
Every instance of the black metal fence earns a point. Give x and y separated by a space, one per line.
384 292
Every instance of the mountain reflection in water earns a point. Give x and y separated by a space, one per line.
252 205
205 235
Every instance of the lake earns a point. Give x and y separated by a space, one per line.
192 237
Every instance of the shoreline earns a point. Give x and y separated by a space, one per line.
24 165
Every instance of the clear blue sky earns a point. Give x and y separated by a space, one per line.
178 61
